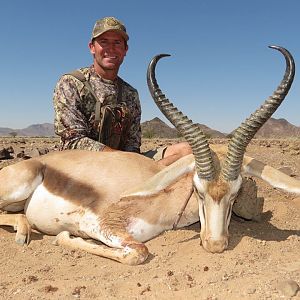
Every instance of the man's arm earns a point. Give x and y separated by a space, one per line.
133 141
70 122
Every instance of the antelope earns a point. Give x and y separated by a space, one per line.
125 199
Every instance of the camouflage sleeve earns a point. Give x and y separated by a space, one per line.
70 123
133 142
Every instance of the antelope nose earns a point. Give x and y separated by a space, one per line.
216 246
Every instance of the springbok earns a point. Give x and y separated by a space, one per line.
124 199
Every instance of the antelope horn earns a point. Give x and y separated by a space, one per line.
243 135
191 132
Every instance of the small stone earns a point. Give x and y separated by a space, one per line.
147 289
225 277
286 170
189 277
288 287
251 291
43 151
31 153
20 154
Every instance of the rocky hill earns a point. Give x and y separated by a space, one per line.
156 128
45 129
211 133
278 128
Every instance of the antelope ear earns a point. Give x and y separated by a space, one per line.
270 175
163 179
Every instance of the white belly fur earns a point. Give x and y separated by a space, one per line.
52 214
143 231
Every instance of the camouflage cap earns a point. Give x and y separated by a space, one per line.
107 24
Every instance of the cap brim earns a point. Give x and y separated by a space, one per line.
124 34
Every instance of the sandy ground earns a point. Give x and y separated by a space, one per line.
261 256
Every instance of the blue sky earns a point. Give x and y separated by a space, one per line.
220 70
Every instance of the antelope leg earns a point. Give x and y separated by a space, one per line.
133 252
20 224
275 178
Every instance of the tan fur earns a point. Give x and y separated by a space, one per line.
26 172
218 155
217 189
67 176
118 214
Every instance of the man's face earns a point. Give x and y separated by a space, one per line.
109 50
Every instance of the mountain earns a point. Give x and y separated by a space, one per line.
273 128
157 128
211 133
45 129
278 128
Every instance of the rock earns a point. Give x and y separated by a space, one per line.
286 170
247 205
31 153
20 154
295 147
289 288
6 153
35 152
43 151
22 141
251 291
295 153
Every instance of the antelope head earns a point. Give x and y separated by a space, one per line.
217 180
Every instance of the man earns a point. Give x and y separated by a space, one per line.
97 110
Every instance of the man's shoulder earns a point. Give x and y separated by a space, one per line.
86 71
79 73
127 86
72 80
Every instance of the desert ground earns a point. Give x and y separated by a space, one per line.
261 262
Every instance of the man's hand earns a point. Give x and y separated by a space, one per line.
166 161
108 149
175 152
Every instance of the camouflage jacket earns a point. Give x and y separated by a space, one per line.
75 111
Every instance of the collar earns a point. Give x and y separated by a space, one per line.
107 81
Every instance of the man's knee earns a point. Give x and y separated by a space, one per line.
185 148
180 149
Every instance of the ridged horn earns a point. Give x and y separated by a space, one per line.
243 135
191 132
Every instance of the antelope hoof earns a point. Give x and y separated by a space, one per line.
21 239
23 231
135 254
